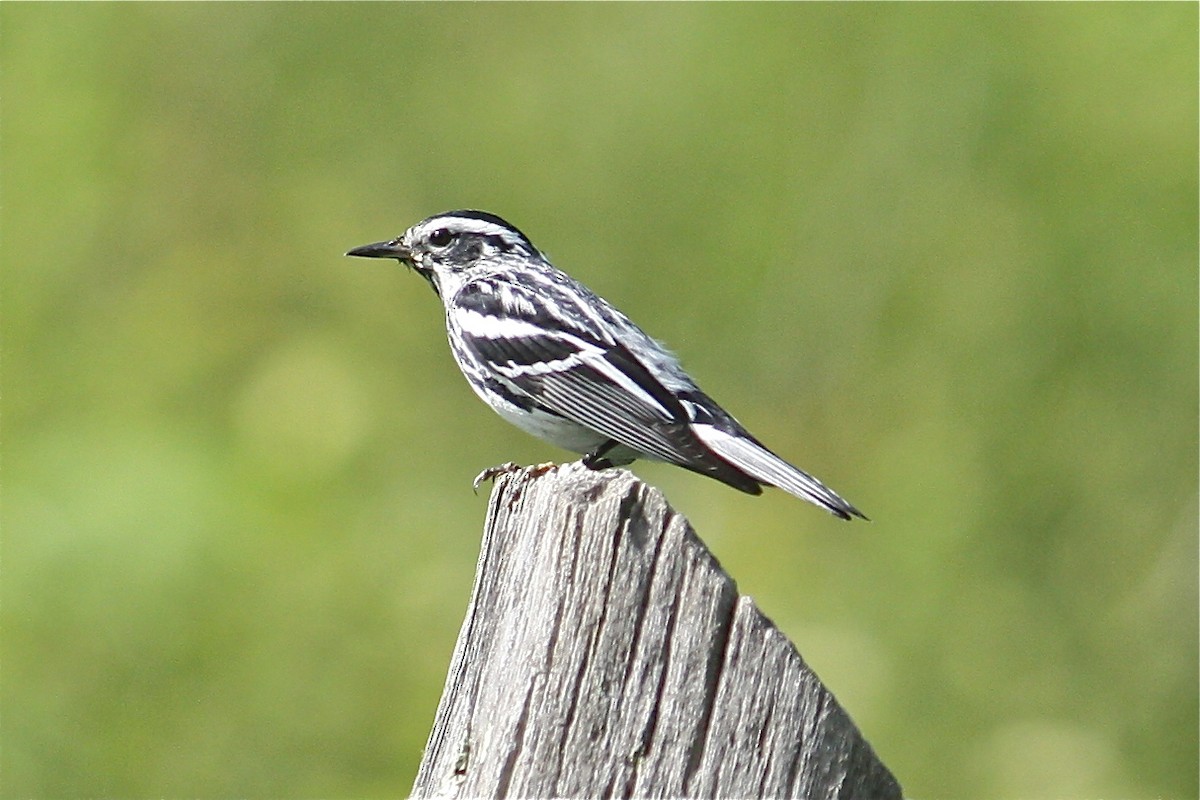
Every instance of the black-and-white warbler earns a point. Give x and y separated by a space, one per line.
557 361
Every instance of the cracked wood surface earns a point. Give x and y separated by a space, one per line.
605 653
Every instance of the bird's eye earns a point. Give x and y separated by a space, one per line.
440 238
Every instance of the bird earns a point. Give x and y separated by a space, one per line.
553 358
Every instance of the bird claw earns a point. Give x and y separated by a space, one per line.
491 473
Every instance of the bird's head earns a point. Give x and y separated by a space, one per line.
448 249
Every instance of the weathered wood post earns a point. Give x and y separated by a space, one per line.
606 654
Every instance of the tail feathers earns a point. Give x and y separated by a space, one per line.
761 464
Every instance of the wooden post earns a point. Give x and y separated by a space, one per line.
605 653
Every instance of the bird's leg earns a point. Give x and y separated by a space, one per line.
596 459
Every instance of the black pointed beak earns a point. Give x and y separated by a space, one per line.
392 249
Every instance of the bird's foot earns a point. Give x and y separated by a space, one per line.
596 459
491 473
596 463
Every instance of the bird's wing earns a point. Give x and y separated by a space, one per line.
575 370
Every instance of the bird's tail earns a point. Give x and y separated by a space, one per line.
758 462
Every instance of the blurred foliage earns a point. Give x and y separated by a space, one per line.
945 256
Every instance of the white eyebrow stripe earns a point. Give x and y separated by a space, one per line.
468 225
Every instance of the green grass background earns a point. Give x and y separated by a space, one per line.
944 256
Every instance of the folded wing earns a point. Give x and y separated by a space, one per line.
587 379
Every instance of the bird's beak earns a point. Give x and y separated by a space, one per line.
393 249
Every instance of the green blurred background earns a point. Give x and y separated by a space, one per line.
944 256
